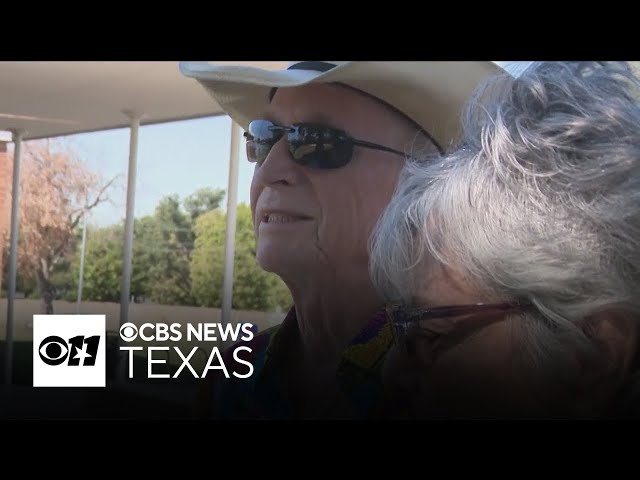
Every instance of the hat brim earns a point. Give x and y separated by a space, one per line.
432 94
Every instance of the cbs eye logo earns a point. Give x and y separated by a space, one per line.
77 351
128 332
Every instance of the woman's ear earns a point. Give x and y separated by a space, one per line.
614 333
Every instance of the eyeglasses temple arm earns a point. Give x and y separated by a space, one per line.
414 315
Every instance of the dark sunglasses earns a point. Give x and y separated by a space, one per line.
310 144
411 324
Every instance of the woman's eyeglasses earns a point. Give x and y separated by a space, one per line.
412 324
310 144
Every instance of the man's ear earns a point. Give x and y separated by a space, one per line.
615 334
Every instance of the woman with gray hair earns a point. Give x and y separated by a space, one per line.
514 263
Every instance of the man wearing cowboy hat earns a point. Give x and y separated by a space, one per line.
328 140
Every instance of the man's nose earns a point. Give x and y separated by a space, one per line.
278 167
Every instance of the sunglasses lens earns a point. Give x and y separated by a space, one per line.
257 152
261 136
311 145
319 147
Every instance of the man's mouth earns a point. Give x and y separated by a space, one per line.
282 218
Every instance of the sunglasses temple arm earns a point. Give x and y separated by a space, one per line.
375 146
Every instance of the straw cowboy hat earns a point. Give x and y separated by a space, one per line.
430 93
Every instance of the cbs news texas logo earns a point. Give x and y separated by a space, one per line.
69 351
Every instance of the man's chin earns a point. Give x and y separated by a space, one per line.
278 261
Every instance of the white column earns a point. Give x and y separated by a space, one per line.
13 256
82 253
232 203
128 224
127 250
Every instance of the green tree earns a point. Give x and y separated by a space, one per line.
176 261
102 279
207 259
102 265
168 242
203 200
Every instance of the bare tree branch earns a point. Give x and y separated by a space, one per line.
80 212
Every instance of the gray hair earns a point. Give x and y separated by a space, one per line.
540 201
